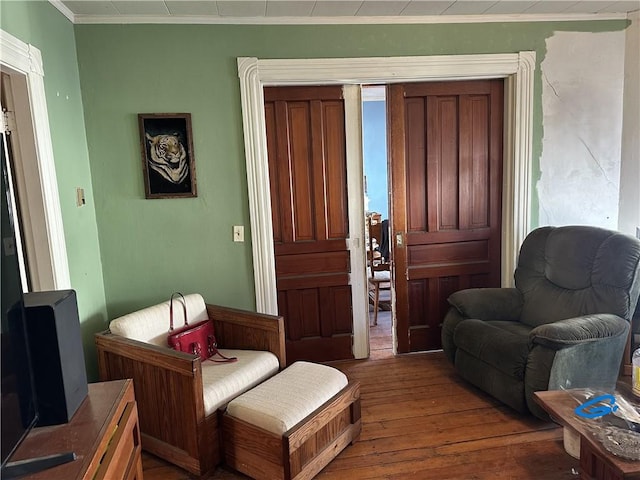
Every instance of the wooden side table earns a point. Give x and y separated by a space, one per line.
103 433
596 463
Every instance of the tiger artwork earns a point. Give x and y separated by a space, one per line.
168 157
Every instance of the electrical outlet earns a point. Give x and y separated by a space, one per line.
238 233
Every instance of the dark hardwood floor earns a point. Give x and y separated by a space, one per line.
380 341
421 421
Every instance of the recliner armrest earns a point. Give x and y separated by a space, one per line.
573 331
488 303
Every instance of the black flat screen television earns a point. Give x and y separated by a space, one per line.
18 406
18 403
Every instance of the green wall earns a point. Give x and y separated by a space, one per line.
40 24
153 247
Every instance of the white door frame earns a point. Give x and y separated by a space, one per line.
35 172
517 69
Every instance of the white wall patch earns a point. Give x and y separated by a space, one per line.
582 92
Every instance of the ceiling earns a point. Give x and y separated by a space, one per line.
336 11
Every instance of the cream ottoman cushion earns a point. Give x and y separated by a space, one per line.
281 402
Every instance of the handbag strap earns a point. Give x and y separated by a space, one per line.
212 351
184 307
224 359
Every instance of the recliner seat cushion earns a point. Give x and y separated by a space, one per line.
502 345
506 388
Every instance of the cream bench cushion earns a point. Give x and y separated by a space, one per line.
221 381
279 403
151 324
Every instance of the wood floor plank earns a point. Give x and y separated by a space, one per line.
531 460
452 426
420 420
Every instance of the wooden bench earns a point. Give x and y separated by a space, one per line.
171 387
292 425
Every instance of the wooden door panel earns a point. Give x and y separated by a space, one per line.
335 171
304 94
429 294
451 253
307 281
312 263
281 187
334 301
447 270
318 327
445 89
307 166
425 238
418 301
416 170
474 161
319 349
272 151
299 173
442 161
446 150
309 247
303 313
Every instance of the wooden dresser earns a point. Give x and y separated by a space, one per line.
103 433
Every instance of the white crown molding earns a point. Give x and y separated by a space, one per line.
64 10
517 69
352 20
27 60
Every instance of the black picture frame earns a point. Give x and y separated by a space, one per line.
167 155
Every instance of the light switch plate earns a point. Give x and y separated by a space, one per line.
238 233
80 197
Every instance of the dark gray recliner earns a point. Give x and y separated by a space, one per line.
564 325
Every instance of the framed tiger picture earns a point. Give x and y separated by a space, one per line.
167 155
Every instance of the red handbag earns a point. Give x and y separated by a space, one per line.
198 339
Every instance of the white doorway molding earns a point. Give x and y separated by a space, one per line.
36 175
517 69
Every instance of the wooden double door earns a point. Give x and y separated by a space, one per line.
445 146
445 170
306 147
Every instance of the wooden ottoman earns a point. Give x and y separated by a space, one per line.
292 425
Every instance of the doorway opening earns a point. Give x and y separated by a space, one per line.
376 209
12 247
517 68
35 178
